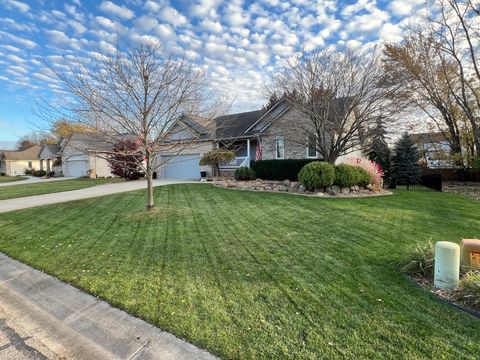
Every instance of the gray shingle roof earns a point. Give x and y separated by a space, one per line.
235 125
28 154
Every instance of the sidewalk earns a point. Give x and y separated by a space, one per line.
69 324
34 180
87 193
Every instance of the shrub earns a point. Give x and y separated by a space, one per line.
420 262
245 173
214 157
2 174
126 159
50 174
28 171
363 176
286 169
346 175
317 175
39 173
371 167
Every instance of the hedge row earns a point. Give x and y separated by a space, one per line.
318 175
279 169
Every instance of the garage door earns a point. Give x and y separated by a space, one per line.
76 168
182 167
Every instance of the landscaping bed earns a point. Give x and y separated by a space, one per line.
295 187
470 190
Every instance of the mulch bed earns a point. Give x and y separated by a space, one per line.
470 190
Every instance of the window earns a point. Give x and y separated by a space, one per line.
279 147
312 146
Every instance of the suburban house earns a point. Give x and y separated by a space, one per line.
83 155
434 149
15 162
50 161
275 133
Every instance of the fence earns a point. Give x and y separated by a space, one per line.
427 183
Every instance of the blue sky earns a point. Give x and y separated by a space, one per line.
241 43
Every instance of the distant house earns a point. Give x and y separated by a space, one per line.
50 160
434 149
279 132
15 162
83 155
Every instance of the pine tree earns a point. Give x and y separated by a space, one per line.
378 150
405 168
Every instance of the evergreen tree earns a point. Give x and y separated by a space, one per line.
405 168
379 151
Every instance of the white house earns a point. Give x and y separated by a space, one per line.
15 162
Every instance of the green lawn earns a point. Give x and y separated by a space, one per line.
260 275
15 191
5 179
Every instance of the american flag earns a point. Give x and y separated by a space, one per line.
259 151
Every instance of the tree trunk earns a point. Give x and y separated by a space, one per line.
150 204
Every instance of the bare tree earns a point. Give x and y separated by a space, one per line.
422 80
137 93
339 93
455 26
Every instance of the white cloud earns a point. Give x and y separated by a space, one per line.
18 39
212 26
105 22
15 59
14 4
114 9
202 8
404 7
368 22
172 16
390 32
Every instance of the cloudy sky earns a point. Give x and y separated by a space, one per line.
240 42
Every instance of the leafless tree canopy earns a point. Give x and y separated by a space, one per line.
340 93
139 92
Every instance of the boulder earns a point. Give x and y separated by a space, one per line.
334 189
286 182
369 187
345 190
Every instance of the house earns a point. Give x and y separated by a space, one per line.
84 155
15 162
50 160
276 131
434 149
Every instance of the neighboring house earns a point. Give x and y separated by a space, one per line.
50 160
15 162
434 149
277 131
83 155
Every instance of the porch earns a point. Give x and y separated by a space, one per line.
244 152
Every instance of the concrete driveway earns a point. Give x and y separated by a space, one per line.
87 193
34 180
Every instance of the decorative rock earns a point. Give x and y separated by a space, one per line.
258 180
356 187
369 187
301 187
334 189
295 185
286 182
345 190
320 194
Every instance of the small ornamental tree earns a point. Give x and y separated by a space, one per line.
214 157
126 159
405 168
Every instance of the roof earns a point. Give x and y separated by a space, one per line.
28 154
428 137
52 148
235 125
94 141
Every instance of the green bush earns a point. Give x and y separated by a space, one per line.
286 169
363 177
420 262
28 171
39 173
245 173
2 174
316 175
346 175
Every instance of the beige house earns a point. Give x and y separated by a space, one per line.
15 162
280 133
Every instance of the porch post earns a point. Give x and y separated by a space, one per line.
248 148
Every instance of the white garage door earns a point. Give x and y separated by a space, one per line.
76 168
182 167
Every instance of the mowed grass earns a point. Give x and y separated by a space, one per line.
5 179
15 191
260 275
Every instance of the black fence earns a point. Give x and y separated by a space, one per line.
427 183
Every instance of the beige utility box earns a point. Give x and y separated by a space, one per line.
470 252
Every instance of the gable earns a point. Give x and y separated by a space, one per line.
180 132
